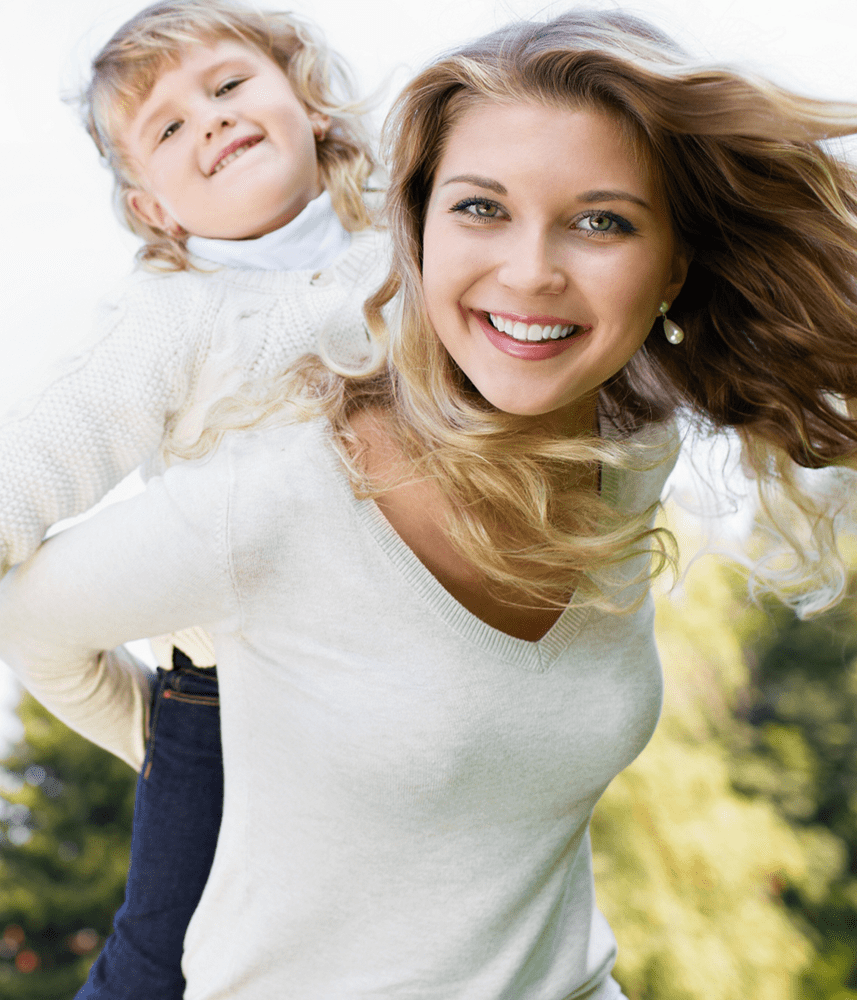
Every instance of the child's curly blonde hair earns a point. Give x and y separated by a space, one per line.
128 66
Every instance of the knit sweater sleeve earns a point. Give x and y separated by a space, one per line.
153 564
102 416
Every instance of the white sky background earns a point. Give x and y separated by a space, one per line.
62 246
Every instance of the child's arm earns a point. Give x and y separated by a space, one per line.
153 564
101 418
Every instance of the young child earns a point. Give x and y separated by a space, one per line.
240 160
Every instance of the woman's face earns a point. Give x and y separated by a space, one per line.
547 252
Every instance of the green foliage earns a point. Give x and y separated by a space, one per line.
65 822
802 755
737 874
690 870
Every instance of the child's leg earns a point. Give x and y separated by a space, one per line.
176 821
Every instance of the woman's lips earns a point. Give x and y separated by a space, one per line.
553 337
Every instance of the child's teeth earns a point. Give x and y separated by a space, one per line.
530 332
230 158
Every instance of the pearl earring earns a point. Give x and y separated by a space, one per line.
672 331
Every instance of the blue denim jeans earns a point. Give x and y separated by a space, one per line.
176 821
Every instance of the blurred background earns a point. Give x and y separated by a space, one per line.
727 855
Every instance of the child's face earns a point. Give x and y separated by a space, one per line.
222 147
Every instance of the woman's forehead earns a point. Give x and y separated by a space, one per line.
482 123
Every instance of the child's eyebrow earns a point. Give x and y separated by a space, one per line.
233 62
152 117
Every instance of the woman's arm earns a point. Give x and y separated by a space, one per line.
154 564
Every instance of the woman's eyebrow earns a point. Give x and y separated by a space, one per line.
598 194
603 195
484 182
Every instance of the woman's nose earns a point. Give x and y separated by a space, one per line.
533 266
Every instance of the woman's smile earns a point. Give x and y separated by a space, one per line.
547 251
528 338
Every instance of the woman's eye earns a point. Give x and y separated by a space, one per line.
603 223
479 208
597 223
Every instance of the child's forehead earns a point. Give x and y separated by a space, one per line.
191 49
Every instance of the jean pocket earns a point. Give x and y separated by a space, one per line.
190 698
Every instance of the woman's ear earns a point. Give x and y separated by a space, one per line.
149 210
681 262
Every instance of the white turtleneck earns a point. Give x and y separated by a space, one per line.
312 240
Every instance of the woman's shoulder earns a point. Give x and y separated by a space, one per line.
273 464
650 456
285 488
245 491
289 440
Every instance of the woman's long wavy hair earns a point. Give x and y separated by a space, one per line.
154 40
768 307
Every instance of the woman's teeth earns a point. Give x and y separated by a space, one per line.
529 331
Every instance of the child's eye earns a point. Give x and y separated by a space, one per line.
479 209
171 129
603 224
226 87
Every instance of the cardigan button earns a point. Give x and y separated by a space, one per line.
321 278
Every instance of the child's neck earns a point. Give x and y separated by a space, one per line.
311 241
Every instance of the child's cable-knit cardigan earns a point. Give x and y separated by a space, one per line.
169 345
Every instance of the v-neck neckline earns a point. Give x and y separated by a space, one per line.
535 655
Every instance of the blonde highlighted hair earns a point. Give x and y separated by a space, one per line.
154 40
768 308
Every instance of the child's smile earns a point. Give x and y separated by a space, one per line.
219 104
233 151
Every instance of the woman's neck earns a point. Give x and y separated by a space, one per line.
420 512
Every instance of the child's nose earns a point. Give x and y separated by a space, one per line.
218 124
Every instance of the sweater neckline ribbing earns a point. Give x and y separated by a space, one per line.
537 656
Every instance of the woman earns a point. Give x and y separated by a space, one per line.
427 581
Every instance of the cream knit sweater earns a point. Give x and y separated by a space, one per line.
408 790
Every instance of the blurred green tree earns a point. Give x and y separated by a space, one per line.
689 870
801 754
65 828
